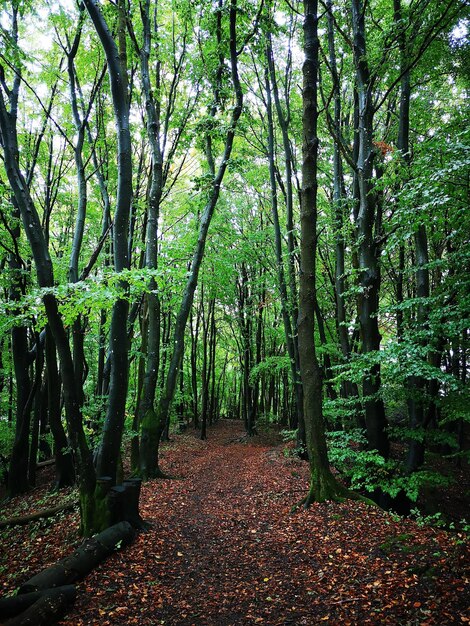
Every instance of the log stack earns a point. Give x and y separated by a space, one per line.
44 598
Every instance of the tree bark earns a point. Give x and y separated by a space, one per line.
349 389
109 451
85 558
291 247
323 485
16 605
368 245
49 607
65 470
285 305
152 107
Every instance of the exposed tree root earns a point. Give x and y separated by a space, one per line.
337 494
161 475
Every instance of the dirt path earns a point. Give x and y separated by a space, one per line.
224 550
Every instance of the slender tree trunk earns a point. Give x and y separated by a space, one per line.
37 408
349 389
415 384
323 485
206 367
368 246
194 377
18 467
188 295
291 248
150 426
286 314
38 245
65 470
212 369
109 451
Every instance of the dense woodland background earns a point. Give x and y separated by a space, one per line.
158 159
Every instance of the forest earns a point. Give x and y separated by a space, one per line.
234 251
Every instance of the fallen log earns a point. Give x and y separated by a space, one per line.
77 565
47 610
26 519
45 463
14 605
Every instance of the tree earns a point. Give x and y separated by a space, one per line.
323 485
162 411
39 250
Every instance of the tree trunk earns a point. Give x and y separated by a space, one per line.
18 468
323 485
291 248
368 246
109 451
152 107
194 378
286 313
37 242
188 294
64 466
348 389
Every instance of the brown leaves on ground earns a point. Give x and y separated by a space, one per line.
225 550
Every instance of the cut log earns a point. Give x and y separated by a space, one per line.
14 605
47 610
123 502
132 488
116 499
26 519
76 566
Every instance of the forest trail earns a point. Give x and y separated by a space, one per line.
224 550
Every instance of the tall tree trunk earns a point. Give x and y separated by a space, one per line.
65 470
245 307
291 247
37 401
212 370
194 327
348 388
292 350
18 467
323 485
149 426
206 366
44 272
109 451
368 246
415 384
188 294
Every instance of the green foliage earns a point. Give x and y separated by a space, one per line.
366 470
272 365
191 85
7 436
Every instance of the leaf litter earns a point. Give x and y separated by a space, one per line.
224 549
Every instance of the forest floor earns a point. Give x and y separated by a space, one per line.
224 550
